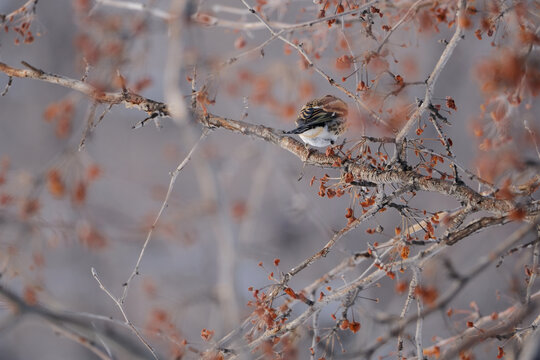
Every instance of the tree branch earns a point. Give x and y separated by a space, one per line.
360 171
433 77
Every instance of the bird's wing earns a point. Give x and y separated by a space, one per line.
319 112
316 118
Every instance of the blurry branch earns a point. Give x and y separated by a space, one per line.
474 226
432 79
252 50
353 56
535 266
28 7
414 8
531 133
132 5
310 63
8 85
90 114
210 20
173 64
420 319
83 341
279 25
120 306
315 337
64 322
360 171
283 28
410 297
127 98
217 8
501 325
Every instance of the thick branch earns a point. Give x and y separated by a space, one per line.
128 98
366 172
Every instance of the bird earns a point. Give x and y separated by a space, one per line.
321 121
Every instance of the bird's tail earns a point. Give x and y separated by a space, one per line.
299 129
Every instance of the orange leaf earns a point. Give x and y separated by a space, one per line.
354 326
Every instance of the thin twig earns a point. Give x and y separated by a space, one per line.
481 264
446 144
433 77
120 306
27 7
420 320
73 319
173 64
491 325
8 85
164 205
89 123
381 202
82 340
405 17
321 72
452 160
535 268
315 336
410 298
206 19
131 5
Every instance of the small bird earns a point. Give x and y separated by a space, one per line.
321 121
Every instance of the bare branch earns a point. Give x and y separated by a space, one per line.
490 326
120 306
459 284
173 66
209 20
420 320
28 7
414 8
315 336
535 267
433 77
82 340
174 175
73 319
129 99
8 85
363 172
321 72
410 297
132 5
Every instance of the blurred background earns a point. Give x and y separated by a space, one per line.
238 203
